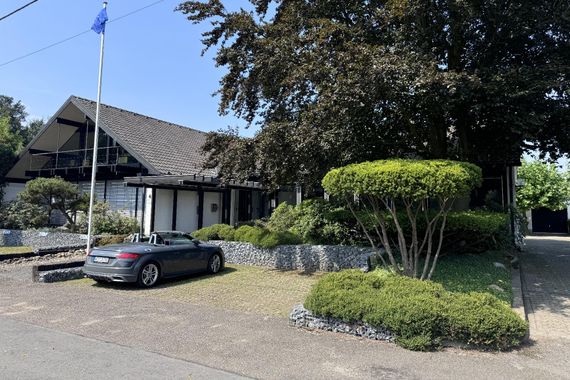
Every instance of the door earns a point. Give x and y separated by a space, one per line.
545 220
244 206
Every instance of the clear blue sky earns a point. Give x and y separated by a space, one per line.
152 60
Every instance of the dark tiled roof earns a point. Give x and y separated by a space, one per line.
168 148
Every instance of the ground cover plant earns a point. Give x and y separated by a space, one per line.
467 273
413 186
421 314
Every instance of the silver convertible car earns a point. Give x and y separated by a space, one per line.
166 254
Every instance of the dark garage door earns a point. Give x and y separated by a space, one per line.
545 220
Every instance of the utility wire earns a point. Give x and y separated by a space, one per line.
78 34
17 10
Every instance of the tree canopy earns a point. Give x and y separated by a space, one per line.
336 82
544 186
15 133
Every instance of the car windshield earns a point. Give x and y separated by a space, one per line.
174 239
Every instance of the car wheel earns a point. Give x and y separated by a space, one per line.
148 275
215 263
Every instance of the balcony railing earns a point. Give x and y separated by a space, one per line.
81 158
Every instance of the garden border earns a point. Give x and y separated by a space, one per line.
58 272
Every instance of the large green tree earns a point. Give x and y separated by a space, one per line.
10 144
15 112
333 82
544 186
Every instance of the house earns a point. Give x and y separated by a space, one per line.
150 169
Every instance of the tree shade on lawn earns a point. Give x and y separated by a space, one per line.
385 186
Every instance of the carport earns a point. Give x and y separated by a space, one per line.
190 202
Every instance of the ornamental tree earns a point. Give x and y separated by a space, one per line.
55 194
391 190
544 186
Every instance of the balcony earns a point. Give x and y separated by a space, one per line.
110 157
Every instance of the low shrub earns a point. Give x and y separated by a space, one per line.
106 221
258 236
264 238
215 232
320 222
110 239
420 313
19 215
316 221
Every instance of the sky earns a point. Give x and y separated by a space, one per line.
153 63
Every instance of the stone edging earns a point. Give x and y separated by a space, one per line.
303 318
518 300
57 272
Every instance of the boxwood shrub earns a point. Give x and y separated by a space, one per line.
420 313
258 236
215 232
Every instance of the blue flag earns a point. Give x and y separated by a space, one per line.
100 20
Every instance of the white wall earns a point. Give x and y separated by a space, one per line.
11 191
163 210
212 217
187 211
147 212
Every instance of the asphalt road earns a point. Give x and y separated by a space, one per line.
32 352
251 345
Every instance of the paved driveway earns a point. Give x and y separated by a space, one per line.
252 345
546 286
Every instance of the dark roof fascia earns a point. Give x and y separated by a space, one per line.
188 180
109 131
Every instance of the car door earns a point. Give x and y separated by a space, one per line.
191 256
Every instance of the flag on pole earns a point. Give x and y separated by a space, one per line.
99 28
100 20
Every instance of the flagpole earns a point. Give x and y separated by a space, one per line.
95 143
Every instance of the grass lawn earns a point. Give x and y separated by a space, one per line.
11 250
242 288
474 273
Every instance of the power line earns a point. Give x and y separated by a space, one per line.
17 10
78 34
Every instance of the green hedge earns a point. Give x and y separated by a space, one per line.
215 232
319 222
258 236
420 313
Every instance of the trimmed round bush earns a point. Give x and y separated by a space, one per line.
410 179
402 189
420 313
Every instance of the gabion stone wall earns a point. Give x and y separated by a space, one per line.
308 258
41 240
303 318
